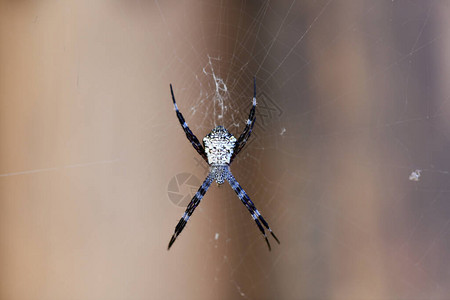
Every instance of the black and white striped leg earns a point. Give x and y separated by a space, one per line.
251 208
190 208
189 134
242 140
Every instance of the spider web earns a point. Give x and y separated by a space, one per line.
348 160
350 171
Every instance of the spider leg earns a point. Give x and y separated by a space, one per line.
190 136
256 215
190 208
242 140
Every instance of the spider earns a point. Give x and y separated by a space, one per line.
219 149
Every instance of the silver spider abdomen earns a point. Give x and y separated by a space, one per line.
219 145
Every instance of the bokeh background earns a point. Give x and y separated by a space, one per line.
353 97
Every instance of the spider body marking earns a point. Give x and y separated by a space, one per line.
219 149
219 145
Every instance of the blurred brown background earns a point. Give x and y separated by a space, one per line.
353 97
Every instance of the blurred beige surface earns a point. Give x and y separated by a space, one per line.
353 98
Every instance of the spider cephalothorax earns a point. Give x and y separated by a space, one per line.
219 149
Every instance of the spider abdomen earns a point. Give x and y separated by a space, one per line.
219 145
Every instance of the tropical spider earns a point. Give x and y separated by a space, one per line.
219 150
